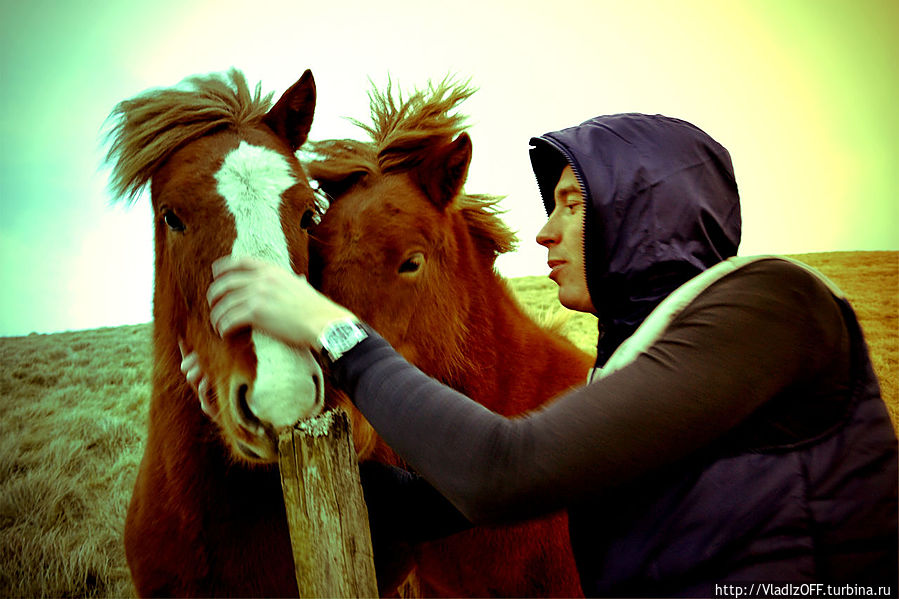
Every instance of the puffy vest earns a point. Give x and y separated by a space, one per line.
822 511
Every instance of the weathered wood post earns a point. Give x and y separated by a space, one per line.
326 511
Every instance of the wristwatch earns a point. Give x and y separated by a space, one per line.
340 337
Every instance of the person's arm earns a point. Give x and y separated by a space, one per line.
743 341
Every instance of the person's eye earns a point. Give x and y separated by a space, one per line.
574 207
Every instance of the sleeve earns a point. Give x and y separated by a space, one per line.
744 340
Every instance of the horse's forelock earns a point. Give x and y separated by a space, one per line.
144 131
402 133
428 110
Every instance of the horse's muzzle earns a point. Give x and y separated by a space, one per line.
259 424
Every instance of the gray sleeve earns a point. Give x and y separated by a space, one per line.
743 341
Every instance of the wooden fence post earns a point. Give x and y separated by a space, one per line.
326 511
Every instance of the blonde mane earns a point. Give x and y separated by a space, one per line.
144 131
402 133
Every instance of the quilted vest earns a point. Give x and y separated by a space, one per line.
819 511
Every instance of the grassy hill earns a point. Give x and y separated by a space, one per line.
73 416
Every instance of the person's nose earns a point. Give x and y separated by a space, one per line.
549 234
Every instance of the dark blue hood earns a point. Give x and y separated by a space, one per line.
661 207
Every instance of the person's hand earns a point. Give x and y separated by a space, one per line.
250 293
196 378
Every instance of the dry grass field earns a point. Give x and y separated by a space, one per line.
72 423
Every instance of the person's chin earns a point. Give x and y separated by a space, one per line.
575 301
565 298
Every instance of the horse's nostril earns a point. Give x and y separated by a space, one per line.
319 390
243 408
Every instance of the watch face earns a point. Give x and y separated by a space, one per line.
340 337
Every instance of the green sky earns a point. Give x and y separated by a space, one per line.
802 93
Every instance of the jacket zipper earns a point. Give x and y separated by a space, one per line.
584 192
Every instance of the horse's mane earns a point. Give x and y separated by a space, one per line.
144 131
402 134
482 216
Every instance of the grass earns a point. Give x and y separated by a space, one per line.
73 412
72 425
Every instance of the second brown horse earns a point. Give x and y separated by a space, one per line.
413 255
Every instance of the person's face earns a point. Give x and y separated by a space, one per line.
563 236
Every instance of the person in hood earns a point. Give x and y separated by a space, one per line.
661 207
733 431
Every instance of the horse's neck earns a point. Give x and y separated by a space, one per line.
224 516
517 364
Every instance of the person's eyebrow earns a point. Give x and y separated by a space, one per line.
571 189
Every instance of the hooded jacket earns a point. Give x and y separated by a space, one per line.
742 439
661 207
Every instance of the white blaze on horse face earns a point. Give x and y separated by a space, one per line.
252 180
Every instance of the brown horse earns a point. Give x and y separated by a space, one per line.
207 516
409 252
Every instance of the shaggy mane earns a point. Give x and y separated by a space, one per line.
482 215
402 133
145 130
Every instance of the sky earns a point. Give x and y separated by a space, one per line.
803 93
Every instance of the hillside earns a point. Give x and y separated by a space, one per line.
72 424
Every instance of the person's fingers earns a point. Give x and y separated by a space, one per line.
223 265
188 362
227 264
226 284
194 376
231 312
250 293
190 366
207 403
199 382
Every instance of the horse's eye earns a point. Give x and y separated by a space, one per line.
174 223
308 219
412 264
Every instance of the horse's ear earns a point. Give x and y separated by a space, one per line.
291 116
443 174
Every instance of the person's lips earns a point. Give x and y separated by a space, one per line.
555 266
